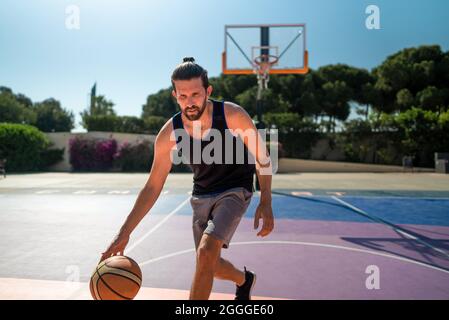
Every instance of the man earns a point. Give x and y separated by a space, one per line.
221 192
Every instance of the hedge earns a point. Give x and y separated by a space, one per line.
25 148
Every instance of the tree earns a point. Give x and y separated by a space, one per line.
272 102
101 123
432 98
24 100
51 117
103 111
405 99
12 110
413 75
47 115
335 102
102 107
5 90
130 124
234 85
152 124
309 101
340 84
160 104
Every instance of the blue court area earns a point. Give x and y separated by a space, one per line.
405 210
394 209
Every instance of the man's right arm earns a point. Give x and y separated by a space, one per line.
150 192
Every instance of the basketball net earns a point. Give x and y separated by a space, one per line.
262 66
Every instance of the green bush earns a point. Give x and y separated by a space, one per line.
423 132
356 140
152 124
102 123
129 124
52 156
386 138
23 146
296 134
126 124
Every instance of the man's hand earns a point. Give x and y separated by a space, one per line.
264 212
117 246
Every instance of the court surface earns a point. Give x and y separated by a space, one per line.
364 242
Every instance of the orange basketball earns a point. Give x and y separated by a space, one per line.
116 278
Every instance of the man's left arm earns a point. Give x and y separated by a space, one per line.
242 124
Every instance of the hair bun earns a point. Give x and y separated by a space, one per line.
188 59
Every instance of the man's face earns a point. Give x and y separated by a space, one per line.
191 97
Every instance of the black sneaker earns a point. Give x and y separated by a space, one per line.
244 292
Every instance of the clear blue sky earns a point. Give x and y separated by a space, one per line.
130 47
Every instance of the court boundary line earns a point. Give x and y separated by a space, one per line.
395 197
316 244
157 226
362 197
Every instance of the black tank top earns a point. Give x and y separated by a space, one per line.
217 177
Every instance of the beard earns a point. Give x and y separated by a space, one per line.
194 112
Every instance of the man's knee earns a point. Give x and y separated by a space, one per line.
208 252
204 255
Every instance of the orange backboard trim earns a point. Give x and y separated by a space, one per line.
302 70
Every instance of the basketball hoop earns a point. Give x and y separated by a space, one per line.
264 49
262 65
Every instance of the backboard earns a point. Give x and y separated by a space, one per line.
271 48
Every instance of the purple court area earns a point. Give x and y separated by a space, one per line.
319 250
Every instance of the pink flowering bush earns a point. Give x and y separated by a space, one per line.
136 157
92 155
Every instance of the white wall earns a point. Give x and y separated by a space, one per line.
61 140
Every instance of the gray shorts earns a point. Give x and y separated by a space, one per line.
219 214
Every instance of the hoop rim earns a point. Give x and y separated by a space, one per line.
258 60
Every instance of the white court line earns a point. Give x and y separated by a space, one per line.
168 216
47 191
302 193
85 192
165 192
349 195
396 197
336 193
324 245
118 192
178 253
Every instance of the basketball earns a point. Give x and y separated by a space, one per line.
116 278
